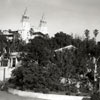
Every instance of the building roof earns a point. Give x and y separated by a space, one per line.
64 48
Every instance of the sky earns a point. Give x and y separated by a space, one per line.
69 16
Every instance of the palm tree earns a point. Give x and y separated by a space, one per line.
87 32
95 32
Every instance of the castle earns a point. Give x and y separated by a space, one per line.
26 27
26 32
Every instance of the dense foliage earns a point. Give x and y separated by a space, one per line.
95 96
43 69
3 43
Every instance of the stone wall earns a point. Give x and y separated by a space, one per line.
7 73
44 96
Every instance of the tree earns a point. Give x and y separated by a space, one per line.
95 32
16 44
87 32
61 39
39 49
32 76
42 67
3 44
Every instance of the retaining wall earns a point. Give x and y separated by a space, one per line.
44 96
8 72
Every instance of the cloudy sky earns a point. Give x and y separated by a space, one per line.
69 16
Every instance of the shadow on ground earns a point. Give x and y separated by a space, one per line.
86 99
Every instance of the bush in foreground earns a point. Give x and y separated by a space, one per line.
31 76
95 96
4 85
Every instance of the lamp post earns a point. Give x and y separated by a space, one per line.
95 73
96 78
95 60
4 74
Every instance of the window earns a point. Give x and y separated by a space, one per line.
14 62
4 63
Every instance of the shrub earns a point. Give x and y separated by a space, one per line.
95 96
3 85
34 77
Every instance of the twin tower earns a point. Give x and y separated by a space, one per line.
26 26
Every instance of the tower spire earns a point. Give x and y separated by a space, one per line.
24 16
25 11
42 25
43 17
25 26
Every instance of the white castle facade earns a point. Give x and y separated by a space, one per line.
8 64
26 27
26 30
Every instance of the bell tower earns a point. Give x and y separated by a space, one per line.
42 26
25 26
